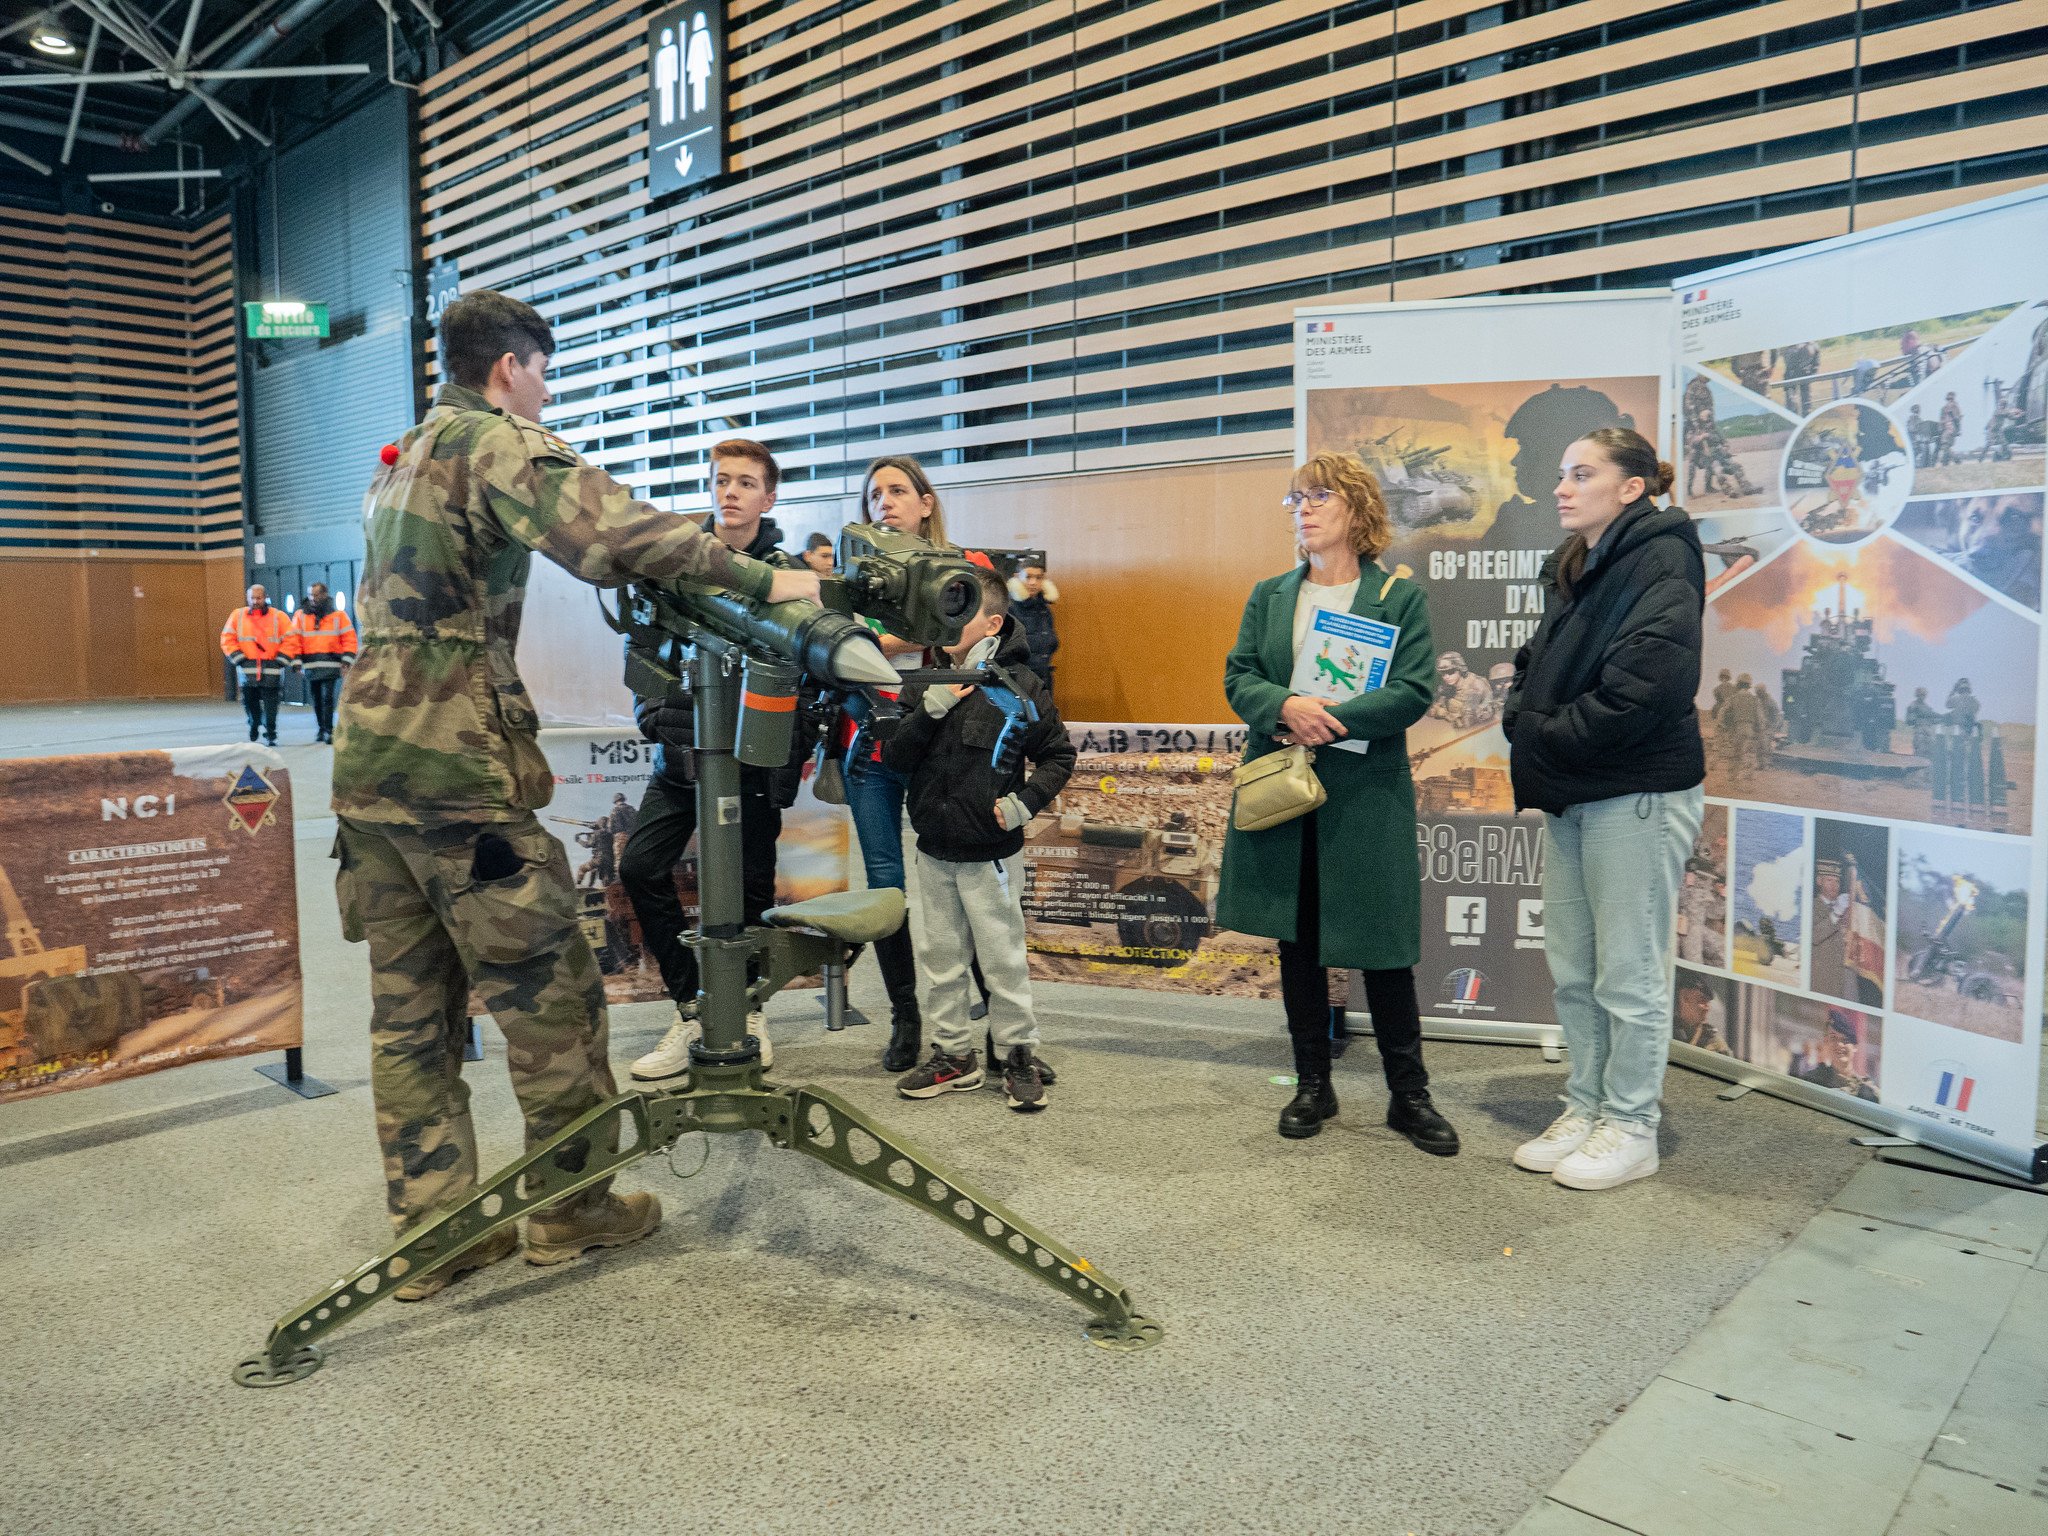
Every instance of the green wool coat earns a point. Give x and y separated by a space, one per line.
1365 832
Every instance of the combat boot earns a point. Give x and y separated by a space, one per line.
1314 1102
612 1222
501 1244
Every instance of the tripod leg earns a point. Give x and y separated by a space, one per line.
571 1160
834 1132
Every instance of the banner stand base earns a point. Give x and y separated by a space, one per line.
2027 1164
291 1074
1469 1031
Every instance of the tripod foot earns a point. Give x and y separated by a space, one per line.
833 1131
1134 1332
262 1371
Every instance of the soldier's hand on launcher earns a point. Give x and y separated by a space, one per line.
789 586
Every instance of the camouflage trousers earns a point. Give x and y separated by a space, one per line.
443 907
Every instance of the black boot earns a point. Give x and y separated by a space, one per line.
1415 1117
906 1023
1314 1102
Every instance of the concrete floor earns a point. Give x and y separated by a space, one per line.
1359 1338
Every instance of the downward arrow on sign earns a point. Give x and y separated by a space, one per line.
684 161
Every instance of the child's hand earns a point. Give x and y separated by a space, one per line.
937 701
1011 813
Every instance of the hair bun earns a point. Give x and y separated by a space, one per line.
1667 477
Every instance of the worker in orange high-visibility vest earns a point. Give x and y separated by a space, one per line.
260 642
327 647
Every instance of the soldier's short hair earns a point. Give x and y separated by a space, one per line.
753 453
481 327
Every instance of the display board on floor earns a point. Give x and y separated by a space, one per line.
151 912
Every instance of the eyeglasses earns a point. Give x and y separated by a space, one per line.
1294 501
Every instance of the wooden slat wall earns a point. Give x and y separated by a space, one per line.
1056 238
119 430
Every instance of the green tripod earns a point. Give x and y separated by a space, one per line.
724 1091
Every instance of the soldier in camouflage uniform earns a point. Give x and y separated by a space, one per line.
445 869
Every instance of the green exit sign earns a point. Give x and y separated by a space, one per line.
267 322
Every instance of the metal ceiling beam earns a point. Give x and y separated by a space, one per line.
251 52
78 102
55 130
176 82
184 54
202 175
26 159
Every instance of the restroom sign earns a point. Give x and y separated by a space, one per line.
685 96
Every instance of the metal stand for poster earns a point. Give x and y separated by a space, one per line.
2030 1165
291 1074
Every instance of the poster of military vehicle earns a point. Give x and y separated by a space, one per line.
1468 471
151 914
1870 679
1962 936
600 777
1463 411
1873 649
1993 540
1122 869
1883 364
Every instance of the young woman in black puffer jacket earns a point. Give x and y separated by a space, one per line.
1605 740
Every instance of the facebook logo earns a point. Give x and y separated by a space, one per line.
1465 916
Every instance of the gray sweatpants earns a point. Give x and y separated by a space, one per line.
967 912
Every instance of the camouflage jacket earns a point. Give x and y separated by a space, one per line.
435 725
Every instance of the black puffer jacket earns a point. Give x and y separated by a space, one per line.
1603 697
954 785
671 724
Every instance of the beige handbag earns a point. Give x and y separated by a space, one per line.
1275 788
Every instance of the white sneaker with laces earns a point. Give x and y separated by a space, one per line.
671 1058
1613 1154
757 1026
1562 1137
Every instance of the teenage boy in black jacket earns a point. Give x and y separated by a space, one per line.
743 480
970 820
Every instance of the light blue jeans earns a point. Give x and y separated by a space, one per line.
1611 873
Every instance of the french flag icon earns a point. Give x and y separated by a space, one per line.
1954 1090
1321 327
1696 296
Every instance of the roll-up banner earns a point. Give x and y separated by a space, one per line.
600 779
1862 439
1462 410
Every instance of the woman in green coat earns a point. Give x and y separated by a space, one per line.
1341 886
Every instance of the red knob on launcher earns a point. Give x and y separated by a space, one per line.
390 453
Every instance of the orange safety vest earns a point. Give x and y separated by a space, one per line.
263 642
326 640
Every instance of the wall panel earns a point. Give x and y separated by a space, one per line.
1054 249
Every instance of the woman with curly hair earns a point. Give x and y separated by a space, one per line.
1341 886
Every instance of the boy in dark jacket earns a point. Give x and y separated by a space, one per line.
970 819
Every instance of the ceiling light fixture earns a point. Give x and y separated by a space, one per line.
52 40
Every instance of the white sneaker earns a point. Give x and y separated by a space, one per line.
1562 1137
757 1026
1613 1154
671 1058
